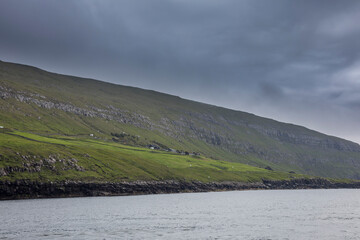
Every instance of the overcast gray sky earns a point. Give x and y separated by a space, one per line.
293 61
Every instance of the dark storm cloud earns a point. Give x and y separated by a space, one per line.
295 61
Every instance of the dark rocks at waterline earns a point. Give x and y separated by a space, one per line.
28 189
313 183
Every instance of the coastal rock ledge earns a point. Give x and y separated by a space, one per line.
23 189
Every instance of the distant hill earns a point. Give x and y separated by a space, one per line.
46 104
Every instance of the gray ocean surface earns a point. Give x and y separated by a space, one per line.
270 214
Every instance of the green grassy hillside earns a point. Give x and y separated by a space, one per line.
59 158
71 108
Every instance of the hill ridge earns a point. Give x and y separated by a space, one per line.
45 102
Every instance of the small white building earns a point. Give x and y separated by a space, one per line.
91 134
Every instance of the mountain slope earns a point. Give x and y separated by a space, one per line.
33 100
59 158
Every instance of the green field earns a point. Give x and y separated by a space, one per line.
107 161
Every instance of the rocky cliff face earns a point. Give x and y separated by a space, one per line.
307 139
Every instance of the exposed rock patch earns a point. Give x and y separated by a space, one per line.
33 164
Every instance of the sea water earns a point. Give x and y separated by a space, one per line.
260 214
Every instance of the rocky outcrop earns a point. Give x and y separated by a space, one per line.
109 113
33 163
28 189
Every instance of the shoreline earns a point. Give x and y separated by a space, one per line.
25 189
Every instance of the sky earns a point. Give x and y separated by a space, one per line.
292 61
